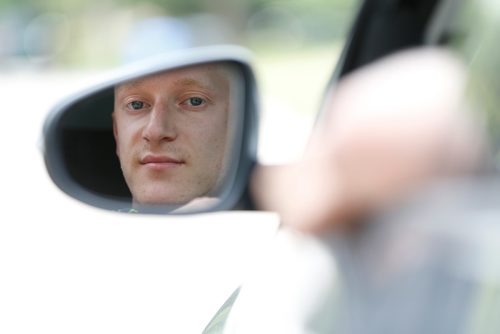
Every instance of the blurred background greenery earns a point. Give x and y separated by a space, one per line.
296 43
97 33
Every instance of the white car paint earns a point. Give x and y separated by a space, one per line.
66 267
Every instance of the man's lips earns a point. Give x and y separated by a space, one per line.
160 161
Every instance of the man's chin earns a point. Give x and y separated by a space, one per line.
164 200
158 206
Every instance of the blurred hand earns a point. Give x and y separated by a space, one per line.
390 129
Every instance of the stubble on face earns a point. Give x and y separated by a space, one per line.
200 144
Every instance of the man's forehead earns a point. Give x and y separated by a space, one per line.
207 76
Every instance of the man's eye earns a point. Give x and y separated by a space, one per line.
195 101
136 105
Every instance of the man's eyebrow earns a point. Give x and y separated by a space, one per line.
192 82
128 84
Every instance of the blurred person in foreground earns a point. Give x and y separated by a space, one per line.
391 130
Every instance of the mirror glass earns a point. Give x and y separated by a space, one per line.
164 142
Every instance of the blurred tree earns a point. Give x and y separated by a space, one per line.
177 7
96 29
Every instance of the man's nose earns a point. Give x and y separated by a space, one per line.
161 125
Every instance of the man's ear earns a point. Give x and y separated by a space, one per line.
115 133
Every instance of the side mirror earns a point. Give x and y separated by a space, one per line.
175 134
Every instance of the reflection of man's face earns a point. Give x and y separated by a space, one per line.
170 131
